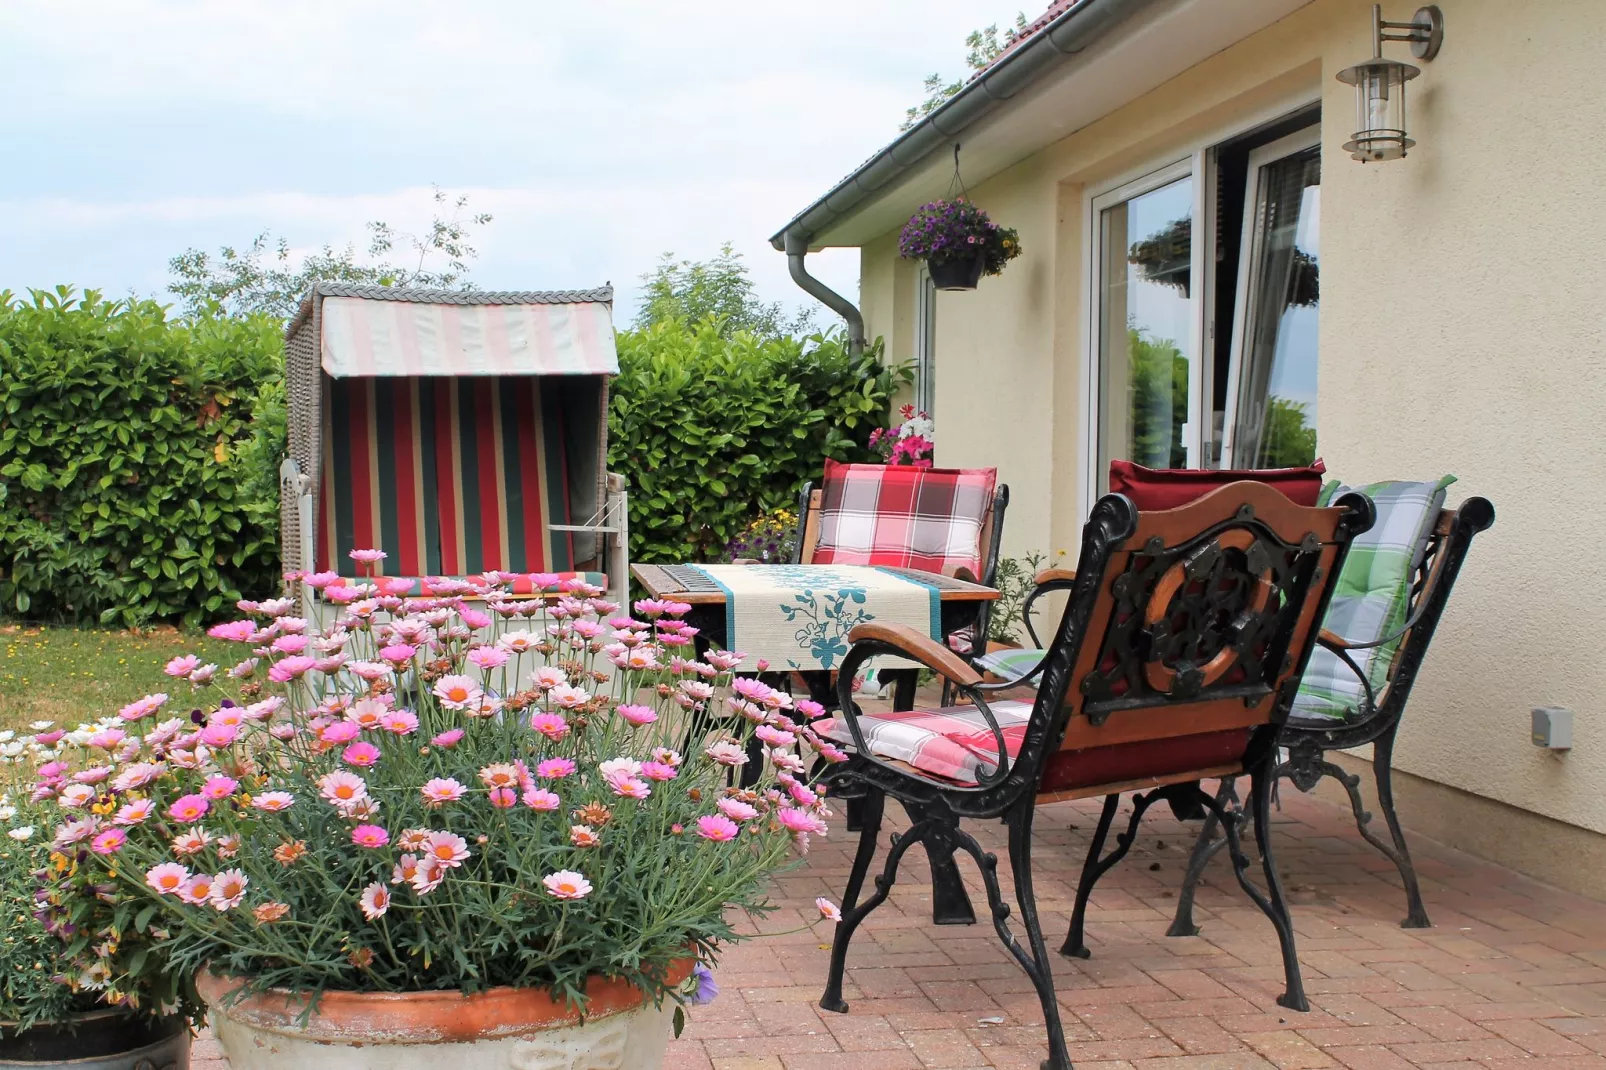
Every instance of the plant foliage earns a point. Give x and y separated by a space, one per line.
267 277
981 48
442 797
712 430
125 493
689 291
957 230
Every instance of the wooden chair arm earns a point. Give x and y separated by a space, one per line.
921 648
1055 575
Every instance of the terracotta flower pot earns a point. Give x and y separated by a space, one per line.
956 274
498 1029
99 1040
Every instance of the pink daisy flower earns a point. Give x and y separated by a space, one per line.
457 692
109 842
500 775
142 707
727 753
219 787
273 801
566 884
188 808
361 754
369 836
658 771
630 788
134 813
367 557
182 665
137 775
219 736
550 725
339 732
235 631
555 768
717 827
191 842
800 822
399 722
446 849
398 653
167 878
228 889
291 668
289 644
375 901
449 738
736 810
486 658
638 715
342 788
441 790
541 799
197 891
569 698
828 910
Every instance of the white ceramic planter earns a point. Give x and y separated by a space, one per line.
502 1029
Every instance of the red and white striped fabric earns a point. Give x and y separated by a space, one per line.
904 517
365 337
955 743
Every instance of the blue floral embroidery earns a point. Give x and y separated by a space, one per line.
826 614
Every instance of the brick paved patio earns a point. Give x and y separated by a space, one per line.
1512 975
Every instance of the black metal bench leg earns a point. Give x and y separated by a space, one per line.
1095 867
854 912
1204 849
1272 904
1034 961
1416 916
950 903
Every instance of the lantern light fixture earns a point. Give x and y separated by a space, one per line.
1380 84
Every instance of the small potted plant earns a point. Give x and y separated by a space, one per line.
910 443
82 982
475 829
958 242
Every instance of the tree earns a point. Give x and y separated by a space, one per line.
982 47
689 291
264 277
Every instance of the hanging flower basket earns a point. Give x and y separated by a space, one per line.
958 242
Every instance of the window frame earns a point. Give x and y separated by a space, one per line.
925 338
1197 158
1251 247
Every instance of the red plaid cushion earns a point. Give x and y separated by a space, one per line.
955 743
905 517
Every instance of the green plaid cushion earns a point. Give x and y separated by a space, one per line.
1372 596
1010 664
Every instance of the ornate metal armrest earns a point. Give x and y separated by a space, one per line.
1047 582
876 637
1342 649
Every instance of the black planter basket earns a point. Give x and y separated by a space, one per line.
100 1040
957 274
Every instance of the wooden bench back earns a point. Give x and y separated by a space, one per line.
1187 632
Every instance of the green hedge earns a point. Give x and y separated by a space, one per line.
123 493
712 431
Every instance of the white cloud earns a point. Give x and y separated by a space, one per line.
597 134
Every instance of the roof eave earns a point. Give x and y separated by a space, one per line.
1069 33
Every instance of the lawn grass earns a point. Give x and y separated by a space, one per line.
69 675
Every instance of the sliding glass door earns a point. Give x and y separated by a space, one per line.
1271 406
1146 343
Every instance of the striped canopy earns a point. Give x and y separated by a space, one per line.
378 331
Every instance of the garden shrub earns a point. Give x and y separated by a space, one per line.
129 489
712 431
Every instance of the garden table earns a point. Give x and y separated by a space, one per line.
957 601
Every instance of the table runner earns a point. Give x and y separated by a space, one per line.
799 616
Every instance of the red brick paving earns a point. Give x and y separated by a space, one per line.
1513 974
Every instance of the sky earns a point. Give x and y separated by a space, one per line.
599 135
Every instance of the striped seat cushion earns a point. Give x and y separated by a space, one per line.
448 476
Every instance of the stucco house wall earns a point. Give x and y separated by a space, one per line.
1462 330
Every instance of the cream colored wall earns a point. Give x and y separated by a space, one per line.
1461 331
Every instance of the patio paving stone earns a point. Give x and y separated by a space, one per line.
1513 975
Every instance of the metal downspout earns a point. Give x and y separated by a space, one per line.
797 247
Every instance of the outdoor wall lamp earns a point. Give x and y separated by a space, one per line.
1380 84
